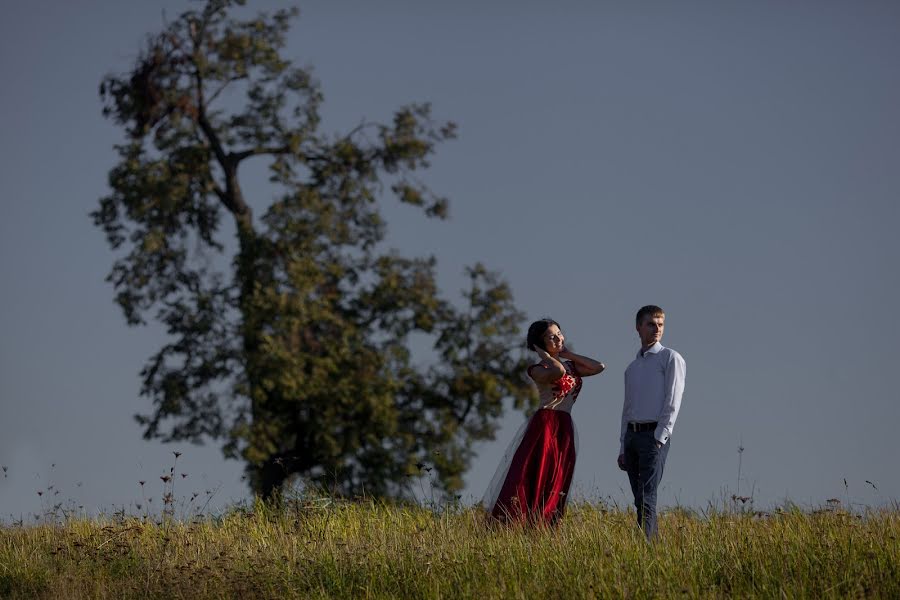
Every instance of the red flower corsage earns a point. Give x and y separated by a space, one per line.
563 385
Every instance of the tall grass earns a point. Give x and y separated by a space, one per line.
322 548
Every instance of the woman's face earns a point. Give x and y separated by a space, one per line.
554 340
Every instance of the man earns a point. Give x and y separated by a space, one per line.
654 382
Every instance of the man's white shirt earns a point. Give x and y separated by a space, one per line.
654 383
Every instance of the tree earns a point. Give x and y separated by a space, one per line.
296 353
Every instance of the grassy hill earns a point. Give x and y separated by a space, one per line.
322 548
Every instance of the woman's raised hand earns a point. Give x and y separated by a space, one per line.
542 354
550 370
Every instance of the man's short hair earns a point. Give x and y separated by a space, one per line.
651 310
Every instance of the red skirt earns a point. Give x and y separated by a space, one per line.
537 484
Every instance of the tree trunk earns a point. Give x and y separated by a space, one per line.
269 478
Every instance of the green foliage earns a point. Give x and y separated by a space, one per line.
295 353
325 548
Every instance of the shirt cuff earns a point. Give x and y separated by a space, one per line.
661 435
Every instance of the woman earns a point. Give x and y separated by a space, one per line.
532 483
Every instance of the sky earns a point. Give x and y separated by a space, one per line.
733 162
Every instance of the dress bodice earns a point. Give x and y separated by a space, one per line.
562 393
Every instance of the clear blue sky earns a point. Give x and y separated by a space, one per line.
737 163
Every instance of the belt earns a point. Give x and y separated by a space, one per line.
642 426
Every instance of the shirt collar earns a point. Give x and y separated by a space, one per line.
654 349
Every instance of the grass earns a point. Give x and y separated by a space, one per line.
322 548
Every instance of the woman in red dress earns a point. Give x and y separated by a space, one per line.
532 483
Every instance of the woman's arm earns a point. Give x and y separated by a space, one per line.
584 366
548 370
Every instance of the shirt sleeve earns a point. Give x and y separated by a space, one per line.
676 370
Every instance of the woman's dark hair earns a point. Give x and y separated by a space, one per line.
536 333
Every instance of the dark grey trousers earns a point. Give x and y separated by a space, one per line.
644 463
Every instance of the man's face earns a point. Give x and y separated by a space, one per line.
651 329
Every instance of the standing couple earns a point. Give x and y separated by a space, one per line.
532 483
